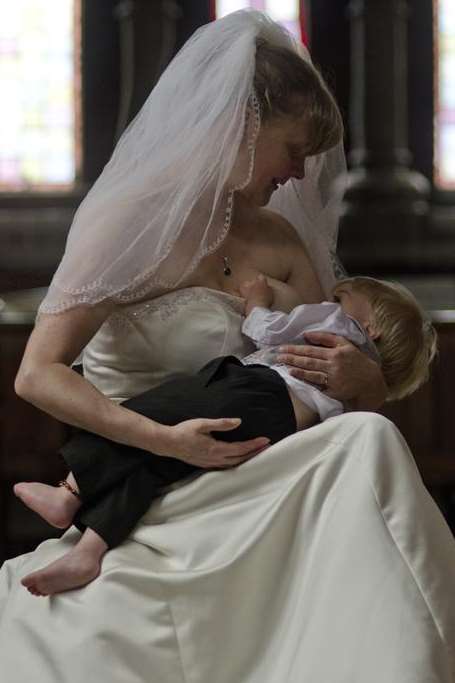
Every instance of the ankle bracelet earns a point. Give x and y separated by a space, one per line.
70 488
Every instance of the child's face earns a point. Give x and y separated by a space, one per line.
356 305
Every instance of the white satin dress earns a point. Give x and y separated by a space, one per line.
322 560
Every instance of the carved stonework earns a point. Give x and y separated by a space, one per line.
386 203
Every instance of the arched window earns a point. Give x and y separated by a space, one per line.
444 94
59 71
290 13
40 132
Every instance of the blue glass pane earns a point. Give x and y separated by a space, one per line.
444 142
38 120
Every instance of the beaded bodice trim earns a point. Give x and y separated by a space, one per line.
169 304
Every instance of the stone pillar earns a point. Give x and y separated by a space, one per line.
148 37
385 203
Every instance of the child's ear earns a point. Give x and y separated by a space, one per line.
372 332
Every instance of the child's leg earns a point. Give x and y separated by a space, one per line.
78 567
107 522
99 464
258 395
57 505
114 515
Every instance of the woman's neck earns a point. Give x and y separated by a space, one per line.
244 218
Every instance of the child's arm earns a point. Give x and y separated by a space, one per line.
266 327
273 328
268 292
257 292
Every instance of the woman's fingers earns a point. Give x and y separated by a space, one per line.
304 351
311 376
227 461
195 444
304 362
322 345
235 447
315 364
229 454
224 454
222 424
315 358
240 449
309 368
325 339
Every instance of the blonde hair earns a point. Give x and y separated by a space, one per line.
287 85
407 341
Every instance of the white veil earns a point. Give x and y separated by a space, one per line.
164 200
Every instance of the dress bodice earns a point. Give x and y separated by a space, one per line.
144 344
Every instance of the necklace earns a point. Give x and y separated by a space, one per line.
226 268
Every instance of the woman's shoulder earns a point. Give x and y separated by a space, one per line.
278 228
280 233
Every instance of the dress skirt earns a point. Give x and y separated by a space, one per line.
322 560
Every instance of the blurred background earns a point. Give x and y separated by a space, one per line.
73 73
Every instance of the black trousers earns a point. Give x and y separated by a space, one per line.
117 483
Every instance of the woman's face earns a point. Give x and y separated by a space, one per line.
280 155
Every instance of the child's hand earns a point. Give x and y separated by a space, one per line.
257 292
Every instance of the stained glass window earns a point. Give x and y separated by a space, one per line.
444 139
287 12
40 86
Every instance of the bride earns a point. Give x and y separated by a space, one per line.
321 558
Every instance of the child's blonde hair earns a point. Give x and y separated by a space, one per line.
407 341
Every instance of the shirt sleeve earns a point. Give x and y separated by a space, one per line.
268 328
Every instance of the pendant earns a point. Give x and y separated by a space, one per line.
226 270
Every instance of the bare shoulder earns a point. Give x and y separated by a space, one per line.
279 229
301 273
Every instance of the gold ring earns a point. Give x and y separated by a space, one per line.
326 379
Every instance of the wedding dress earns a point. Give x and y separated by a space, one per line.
324 559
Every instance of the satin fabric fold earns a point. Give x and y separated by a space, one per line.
323 559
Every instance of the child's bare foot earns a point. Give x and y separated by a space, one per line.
73 570
78 567
55 504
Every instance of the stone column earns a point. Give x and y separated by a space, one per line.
148 37
385 203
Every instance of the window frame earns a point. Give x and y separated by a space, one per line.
34 225
422 100
99 96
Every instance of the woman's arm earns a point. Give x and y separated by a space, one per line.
46 380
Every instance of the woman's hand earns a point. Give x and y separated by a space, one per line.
341 370
192 442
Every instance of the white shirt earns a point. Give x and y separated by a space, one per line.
270 329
